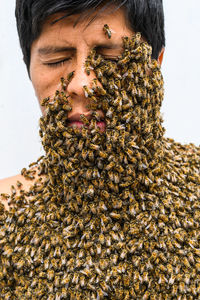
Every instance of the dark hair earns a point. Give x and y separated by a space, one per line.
145 16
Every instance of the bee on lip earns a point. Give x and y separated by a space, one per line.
116 213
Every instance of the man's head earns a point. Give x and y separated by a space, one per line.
145 16
78 26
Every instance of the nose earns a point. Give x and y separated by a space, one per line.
75 87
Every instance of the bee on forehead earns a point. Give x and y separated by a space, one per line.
107 31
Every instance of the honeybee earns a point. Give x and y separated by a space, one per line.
90 155
100 91
88 92
66 107
109 113
146 295
94 146
96 175
110 166
124 60
174 290
70 76
5 196
105 194
107 31
84 153
60 126
90 191
99 74
45 101
84 119
127 117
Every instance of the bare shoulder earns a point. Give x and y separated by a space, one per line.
16 182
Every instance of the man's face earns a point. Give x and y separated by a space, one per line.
62 48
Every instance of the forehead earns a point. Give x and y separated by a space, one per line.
87 23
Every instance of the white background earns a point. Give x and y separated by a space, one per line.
19 110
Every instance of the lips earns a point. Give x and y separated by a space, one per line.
75 120
79 124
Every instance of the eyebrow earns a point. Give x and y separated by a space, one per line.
56 49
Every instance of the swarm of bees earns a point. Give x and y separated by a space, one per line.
115 214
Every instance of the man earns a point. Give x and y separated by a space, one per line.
114 210
42 68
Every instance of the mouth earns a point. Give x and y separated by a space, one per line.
75 121
79 124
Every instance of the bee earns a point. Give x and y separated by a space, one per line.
197 252
111 70
5 196
88 92
88 174
146 295
84 119
103 154
127 117
70 76
88 68
45 101
100 91
102 206
8 251
94 146
100 167
66 107
84 132
90 155
174 290
86 272
82 281
96 175
66 280
107 31
100 76
57 252
105 194
98 246
192 243
109 113
90 191
75 278
111 186
124 60
115 216
60 126
110 166
104 286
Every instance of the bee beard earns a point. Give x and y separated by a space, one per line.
89 167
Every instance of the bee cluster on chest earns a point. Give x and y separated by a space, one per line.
113 214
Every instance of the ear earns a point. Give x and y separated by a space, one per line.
160 56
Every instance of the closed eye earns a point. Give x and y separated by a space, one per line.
58 63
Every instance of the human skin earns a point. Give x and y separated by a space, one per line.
81 39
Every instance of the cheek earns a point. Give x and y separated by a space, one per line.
45 83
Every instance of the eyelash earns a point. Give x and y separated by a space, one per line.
62 62
57 64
